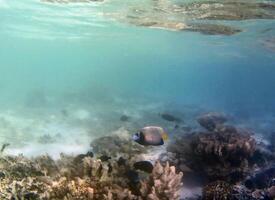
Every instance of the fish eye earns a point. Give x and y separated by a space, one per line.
136 136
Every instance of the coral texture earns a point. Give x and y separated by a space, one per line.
72 178
163 184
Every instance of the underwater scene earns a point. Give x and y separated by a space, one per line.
137 99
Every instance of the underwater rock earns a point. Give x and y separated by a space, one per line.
169 25
116 146
204 28
211 120
169 15
145 166
228 10
213 29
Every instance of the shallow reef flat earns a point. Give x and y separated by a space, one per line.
86 178
206 17
71 1
199 16
226 161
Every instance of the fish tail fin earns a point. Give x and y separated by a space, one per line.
165 136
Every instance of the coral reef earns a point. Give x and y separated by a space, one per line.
71 1
217 190
72 178
222 153
215 154
211 120
164 183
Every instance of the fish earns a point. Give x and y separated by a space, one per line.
80 157
145 166
104 158
124 118
121 161
170 118
150 135
4 146
133 177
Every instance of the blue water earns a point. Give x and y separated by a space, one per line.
81 54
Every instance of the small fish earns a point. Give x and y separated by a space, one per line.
80 157
150 135
133 176
104 158
124 118
121 161
4 146
170 118
145 166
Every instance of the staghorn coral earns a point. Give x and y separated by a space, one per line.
164 183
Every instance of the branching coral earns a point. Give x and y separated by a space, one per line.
163 184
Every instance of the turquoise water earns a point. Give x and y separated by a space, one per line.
84 57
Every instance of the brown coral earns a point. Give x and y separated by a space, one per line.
86 179
217 190
225 153
163 184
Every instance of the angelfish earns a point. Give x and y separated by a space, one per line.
150 135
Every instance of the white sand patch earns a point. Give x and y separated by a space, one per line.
53 150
